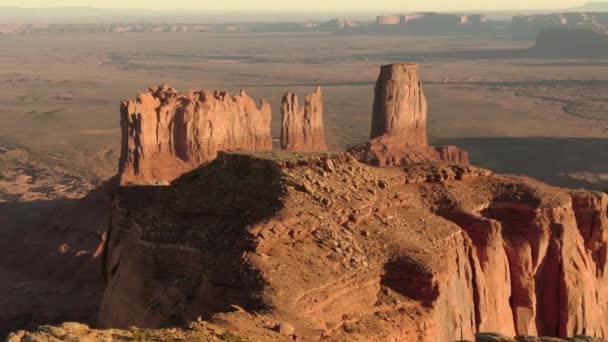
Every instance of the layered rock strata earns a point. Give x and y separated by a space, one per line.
343 251
398 135
302 128
166 133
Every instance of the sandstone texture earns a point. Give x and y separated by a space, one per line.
166 133
399 135
302 128
320 246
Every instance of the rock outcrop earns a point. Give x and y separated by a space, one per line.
166 133
335 249
398 135
302 128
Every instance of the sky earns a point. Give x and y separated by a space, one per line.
302 5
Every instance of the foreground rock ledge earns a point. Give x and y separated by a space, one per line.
336 249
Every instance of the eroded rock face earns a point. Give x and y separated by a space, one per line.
340 250
166 133
398 135
302 128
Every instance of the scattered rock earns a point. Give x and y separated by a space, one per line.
286 329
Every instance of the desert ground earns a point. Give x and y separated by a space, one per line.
60 129
61 92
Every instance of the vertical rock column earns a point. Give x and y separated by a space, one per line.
302 128
400 107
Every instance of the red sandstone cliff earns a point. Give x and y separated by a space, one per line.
302 128
398 135
166 133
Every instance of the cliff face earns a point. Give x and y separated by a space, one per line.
398 135
166 133
341 250
302 128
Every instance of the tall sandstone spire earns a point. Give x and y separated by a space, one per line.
166 133
398 135
302 128
400 107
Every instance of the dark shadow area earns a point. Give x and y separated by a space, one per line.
203 221
546 159
41 282
50 265
410 278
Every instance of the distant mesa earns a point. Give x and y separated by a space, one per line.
302 128
398 135
567 42
166 133
428 23
531 25
430 18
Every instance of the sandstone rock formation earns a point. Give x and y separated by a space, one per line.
400 107
335 249
398 135
302 128
166 133
452 154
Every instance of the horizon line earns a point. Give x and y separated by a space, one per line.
249 10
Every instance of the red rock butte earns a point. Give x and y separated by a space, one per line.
302 128
166 133
400 107
399 134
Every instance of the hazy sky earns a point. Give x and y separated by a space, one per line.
303 5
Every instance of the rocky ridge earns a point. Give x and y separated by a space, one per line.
391 254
